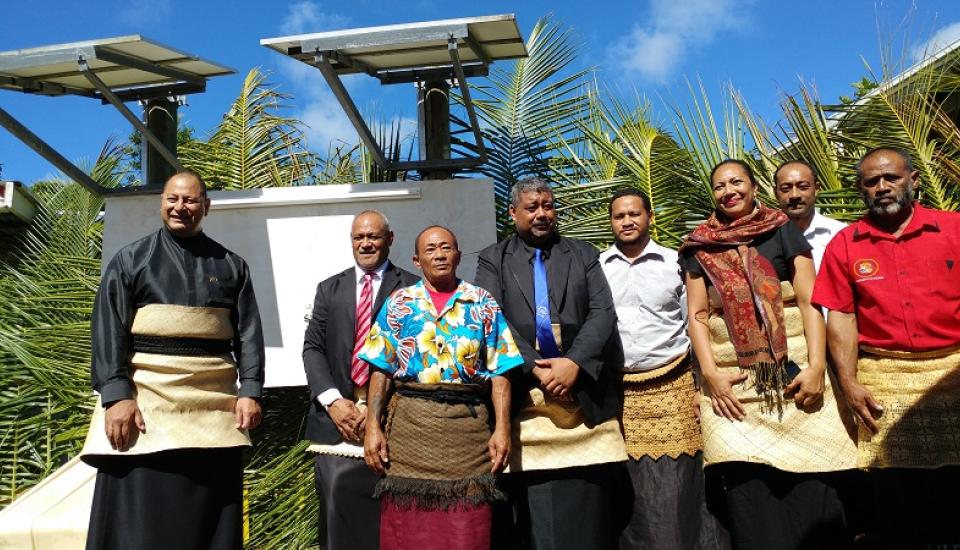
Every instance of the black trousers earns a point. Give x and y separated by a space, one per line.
769 508
667 507
188 499
349 515
571 508
916 508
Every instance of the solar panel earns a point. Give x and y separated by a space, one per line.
379 51
435 55
125 63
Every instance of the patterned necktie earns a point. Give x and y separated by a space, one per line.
359 372
548 345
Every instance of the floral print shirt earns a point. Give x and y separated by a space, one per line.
468 341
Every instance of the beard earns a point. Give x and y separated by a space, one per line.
901 202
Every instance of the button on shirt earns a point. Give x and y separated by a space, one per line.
905 291
820 231
651 305
326 398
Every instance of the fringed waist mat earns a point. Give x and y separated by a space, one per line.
818 439
657 416
438 435
920 396
187 400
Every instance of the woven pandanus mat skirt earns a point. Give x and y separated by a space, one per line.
187 401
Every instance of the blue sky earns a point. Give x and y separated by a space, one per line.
762 47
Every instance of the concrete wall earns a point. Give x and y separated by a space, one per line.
295 237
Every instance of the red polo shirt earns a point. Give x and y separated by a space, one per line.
906 290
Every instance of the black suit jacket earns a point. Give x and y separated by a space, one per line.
581 298
328 342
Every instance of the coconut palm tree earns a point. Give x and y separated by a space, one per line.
526 108
253 146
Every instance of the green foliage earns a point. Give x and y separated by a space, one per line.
526 109
253 146
539 117
45 306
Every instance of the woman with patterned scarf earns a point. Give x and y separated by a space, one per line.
772 427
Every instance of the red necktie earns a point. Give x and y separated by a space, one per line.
359 371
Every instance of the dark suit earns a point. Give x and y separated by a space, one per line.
580 302
349 515
571 507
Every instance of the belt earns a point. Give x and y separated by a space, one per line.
168 345
470 399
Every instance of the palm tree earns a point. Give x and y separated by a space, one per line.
253 146
526 108
618 146
46 296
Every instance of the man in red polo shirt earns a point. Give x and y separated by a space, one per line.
892 284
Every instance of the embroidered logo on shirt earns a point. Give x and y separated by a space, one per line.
866 269
213 279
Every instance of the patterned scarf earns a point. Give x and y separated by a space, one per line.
749 291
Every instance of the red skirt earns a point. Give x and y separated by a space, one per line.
463 527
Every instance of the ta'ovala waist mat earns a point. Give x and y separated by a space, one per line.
920 396
187 401
549 434
658 415
821 439
438 447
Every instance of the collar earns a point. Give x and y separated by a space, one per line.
465 292
358 272
921 220
546 248
651 251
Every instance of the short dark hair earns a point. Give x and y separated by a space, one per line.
813 170
902 153
528 185
192 174
416 242
738 162
629 192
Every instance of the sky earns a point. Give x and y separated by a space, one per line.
646 48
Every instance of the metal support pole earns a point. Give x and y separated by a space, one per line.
160 115
145 132
350 108
467 102
434 125
32 141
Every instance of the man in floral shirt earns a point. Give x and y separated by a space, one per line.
446 346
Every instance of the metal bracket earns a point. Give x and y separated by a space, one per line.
350 108
323 59
467 101
32 141
108 94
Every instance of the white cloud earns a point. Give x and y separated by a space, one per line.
327 124
940 39
654 49
307 17
138 12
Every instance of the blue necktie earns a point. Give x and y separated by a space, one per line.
548 345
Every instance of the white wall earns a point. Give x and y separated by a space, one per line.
295 237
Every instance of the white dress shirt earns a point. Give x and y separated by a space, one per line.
651 304
819 233
327 397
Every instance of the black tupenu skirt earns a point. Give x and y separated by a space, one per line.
185 499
